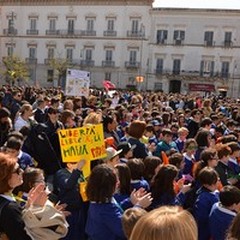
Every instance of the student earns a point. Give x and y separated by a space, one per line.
126 151
137 168
182 135
130 218
162 188
66 186
169 223
176 159
104 215
225 173
233 232
233 159
224 211
112 157
207 196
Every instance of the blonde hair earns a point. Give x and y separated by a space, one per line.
92 118
169 223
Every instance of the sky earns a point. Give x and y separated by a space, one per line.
219 4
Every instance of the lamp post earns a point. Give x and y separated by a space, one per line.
140 77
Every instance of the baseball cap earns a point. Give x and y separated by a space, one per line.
156 123
111 153
125 147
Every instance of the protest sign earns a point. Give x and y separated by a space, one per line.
77 83
82 143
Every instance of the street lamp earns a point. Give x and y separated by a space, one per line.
140 77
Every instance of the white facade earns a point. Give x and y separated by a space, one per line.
117 40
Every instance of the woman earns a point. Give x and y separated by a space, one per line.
23 119
11 222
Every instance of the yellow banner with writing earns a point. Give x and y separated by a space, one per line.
82 143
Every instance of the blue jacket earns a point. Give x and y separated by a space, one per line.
220 219
142 183
140 151
164 147
104 222
202 209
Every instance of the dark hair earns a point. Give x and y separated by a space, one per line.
151 163
206 121
14 143
234 146
101 184
4 112
166 131
176 159
136 129
202 138
163 181
229 195
223 150
208 176
136 167
124 176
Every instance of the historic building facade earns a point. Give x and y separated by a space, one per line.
125 41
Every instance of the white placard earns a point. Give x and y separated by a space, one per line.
77 83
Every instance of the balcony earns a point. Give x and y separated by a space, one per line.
108 63
32 32
135 34
31 60
52 32
132 64
178 42
228 44
110 33
209 43
161 41
88 33
10 31
69 33
87 63
159 71
225 75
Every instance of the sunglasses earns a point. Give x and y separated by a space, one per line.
18 170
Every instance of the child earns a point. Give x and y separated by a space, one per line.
223 212
176 159
137 168
233 159
126 151
207 196
182 135
130 218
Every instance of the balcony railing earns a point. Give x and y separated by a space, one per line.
88 33
32 32
225 75
52 32
132 64
228 43
110 33
209 43
178 42
31 60
161 41
136 34
108 63
10 31
69 33
87 63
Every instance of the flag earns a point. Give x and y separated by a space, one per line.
108 85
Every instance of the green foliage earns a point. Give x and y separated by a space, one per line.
16 69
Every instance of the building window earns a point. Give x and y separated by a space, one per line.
228 39
50 74
178 37
110 25
159 66
135 24
207 68
88 55
33 24
108 76
208 38
161 36
133 57
109 54
9 51
176 66
70 26
52 24
32 52
50 53
225 70
69 55
90 24
158 86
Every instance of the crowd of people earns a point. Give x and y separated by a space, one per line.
171 171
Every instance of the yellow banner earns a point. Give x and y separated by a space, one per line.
82 143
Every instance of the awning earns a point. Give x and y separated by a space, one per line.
201 87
